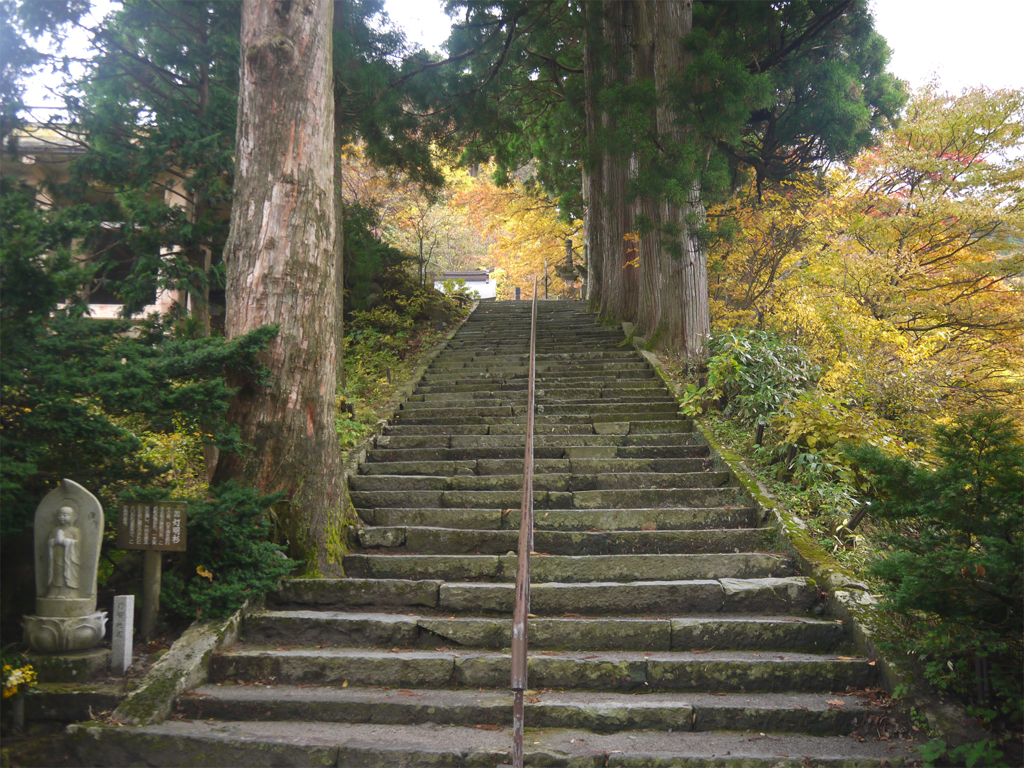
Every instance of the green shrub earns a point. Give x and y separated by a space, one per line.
756 373
229 558
954 565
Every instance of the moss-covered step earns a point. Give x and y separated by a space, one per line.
725 671
770 596
437 540
810 713
542 481
583 466
595 520
607 499
473 445
410 630
570 569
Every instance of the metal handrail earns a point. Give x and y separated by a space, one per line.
522 606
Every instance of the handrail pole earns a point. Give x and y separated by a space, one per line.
522 604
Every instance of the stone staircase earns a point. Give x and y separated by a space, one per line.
667 629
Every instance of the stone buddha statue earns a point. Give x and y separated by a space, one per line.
64 554
68 534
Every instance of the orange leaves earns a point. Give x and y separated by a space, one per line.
523 229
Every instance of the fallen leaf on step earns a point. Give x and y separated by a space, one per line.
486 727
837 702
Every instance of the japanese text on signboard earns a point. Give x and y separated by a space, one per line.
152 525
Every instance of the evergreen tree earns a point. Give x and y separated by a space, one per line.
672 104
954 569
21 23
157 113
67 382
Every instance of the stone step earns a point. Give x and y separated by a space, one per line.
512 418
720 671
453 355
600 499
520 365
605 448
570 569
789 596
585 520
547 481
516 426
358 745
695 633
549 388
541 466
472 445
350 629
583 378
479 408
597 712
574 397
550 426
484 541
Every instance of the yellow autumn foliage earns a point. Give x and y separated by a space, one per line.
899 275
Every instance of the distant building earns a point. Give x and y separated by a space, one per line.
41 157
476 280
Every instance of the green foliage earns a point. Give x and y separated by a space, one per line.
982 752
229 558
20 22
158 106
366 255
955 558
458 288
961 554
756 372
381 348
68 382
796 82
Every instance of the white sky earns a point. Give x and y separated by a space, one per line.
980 42
965 44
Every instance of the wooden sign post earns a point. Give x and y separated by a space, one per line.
154 527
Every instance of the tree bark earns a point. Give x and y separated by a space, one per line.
606 176
593 190
674 312
281 264
647 207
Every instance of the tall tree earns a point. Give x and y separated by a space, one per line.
158 109
670 103
281 270
22 23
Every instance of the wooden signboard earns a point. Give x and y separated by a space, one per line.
156 525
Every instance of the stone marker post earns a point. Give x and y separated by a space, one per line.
124 620
155 527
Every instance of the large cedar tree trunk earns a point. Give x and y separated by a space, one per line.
281 266
593 188
647 207
674 294
606 175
